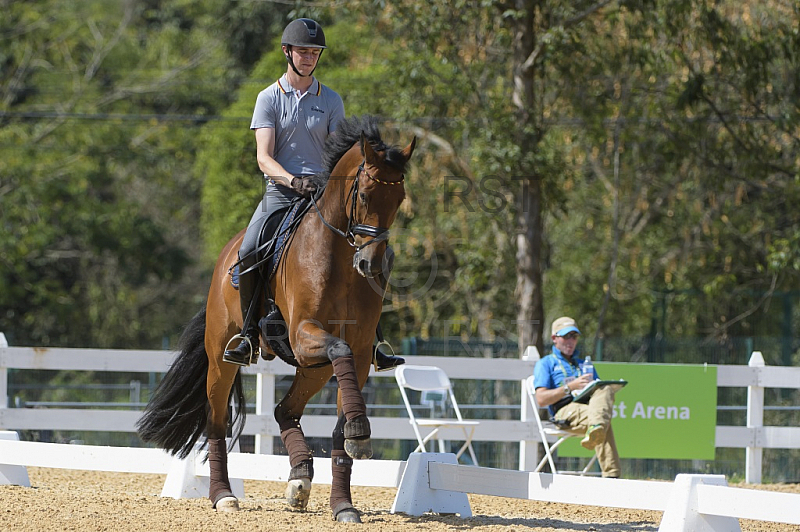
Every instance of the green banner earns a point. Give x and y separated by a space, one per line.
665 411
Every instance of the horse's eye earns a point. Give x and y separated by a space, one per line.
363 197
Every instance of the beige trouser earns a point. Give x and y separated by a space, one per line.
598 412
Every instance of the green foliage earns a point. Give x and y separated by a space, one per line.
699 199
665 216
99 226
663 133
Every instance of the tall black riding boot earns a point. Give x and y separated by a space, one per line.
249 347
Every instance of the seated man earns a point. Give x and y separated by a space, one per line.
557 376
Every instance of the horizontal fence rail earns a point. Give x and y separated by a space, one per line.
754 437
433 482
427 482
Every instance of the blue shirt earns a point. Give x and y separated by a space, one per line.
553 370
301 123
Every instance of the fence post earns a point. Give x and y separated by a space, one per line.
528 449
3 372
13 474
682 511
265 403
415 496
755 422
136 392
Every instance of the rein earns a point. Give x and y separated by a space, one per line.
378 234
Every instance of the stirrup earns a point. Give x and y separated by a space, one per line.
375 356
247 361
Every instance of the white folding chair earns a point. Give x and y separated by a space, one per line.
550 432
434 386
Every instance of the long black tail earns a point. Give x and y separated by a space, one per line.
176 415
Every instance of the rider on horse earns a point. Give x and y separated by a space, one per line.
292 119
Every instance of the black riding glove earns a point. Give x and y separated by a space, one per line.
304 186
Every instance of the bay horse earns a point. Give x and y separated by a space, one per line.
325 287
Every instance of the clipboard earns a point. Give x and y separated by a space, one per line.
584 395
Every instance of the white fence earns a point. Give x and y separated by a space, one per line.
436 483
754 437
429 482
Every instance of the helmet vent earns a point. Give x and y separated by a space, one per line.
312 28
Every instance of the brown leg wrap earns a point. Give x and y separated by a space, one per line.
341 467
352 401
304 469
219 485
357 427
296 445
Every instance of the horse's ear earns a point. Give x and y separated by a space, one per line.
408 150
367 151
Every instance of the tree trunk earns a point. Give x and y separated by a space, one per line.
530 309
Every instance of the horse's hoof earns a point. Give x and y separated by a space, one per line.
348 515
227 504
297 493
360 449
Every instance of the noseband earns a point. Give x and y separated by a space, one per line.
377 234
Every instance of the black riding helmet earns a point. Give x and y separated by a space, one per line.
303 33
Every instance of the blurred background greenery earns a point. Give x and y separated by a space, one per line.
633 164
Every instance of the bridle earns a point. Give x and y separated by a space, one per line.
377 234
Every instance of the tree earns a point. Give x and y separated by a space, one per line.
97 202
501 53
602 157
360 64
693 163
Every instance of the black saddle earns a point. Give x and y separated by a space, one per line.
275 232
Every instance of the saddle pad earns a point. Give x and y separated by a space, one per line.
285 231
235 277
275 232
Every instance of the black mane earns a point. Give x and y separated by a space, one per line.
348 132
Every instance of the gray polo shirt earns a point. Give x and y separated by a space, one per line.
301 123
